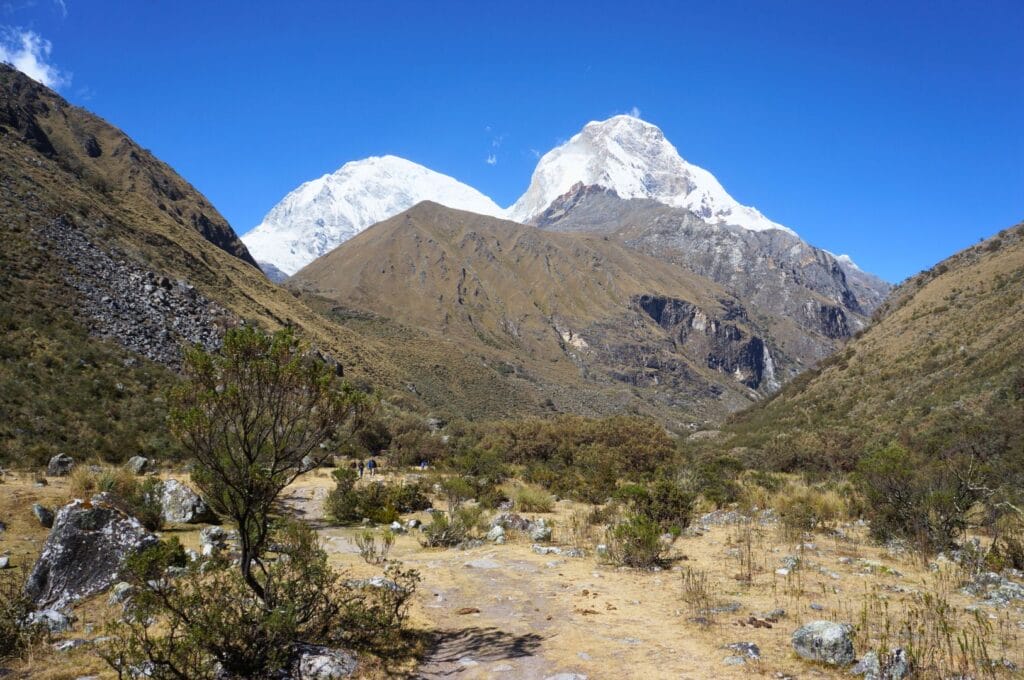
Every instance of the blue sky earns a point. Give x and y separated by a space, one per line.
892 131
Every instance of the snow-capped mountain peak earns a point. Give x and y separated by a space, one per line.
323 213
633 158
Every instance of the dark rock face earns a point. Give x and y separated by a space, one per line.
820 300
140 310
84 553
726 346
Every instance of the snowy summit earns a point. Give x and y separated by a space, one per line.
633 158
323 213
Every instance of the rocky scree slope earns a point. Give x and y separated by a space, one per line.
593 325
104 273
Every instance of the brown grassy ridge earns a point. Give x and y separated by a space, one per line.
946 350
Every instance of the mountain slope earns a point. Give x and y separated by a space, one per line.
634 159
802 293
947 351
323 213
104 273
592 325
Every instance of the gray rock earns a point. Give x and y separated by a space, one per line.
84 553
566 676
734 660
496 534
120 593
138 464
5 561
314 662
397 527
511 521
55 621
411 524
539 530
182 505
68 645
895 666
374 582
826 642
744 649
43 514
60 465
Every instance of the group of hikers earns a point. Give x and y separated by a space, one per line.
371 466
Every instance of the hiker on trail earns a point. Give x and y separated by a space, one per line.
371 465
360 468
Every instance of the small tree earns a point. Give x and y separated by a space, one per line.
250 416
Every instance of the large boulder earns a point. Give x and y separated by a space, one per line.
313 662
138 464
60 465
182 505
825 642
84 553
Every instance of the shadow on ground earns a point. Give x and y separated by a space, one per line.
483 645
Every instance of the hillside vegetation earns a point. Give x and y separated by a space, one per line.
942 362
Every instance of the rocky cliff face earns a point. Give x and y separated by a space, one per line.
802 292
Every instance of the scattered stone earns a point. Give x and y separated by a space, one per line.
817 607
790 562
84 553
566 676
374 582
182 505
539 530
68 645
464 611
782 571
212 540
138 465
43 514
60 465
825 641
314 662
413 524
120 593
5 561
511 521
55 621
747 650
496 534
482 563
397 527
896 666
727 608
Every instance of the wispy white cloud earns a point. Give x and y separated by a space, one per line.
492 159
635 112
29 52
62 7
535 153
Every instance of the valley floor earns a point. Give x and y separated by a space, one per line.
504 611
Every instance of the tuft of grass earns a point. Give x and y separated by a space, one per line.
533 499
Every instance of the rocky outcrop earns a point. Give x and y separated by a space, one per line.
181 505
825 642
314 662
726 346
136 308
60 465
84 553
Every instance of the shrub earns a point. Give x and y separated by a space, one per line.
369 550
207 624
924 499
380 502
449 530
664 502
635 541
139 498
716 479
532 499
16 636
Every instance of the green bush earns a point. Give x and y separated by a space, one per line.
206 624
16 636
923 499
664 501
635 541
449 530
716 478
380 502
532 499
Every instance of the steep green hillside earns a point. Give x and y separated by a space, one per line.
943 361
